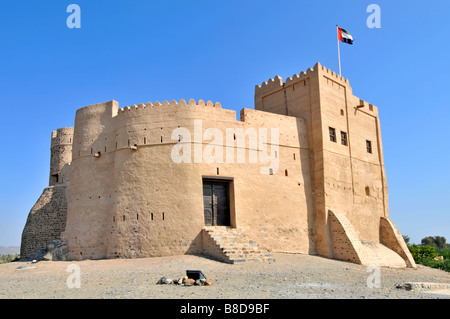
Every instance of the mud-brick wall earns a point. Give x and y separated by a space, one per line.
45 222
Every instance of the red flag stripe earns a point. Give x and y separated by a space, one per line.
340 34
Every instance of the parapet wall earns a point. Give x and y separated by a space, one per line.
106 127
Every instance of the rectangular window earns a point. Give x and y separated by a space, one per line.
344 138
369 146
332 134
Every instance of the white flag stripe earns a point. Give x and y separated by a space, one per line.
347 35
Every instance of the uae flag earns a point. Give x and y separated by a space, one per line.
345 36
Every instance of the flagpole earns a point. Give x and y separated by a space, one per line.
339 53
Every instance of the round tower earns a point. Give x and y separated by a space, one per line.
61 153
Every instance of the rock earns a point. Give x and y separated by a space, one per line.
48 256
59 252
164 281
178 281
188 281
56 250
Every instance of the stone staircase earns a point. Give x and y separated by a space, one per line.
232 245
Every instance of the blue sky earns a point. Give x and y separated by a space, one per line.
139 51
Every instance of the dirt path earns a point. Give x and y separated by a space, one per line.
289 277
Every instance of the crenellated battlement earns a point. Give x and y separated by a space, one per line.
366 107
296 78
272 84
333 75
172 104
276 83
62 136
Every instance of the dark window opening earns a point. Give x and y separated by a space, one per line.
369 146
344 138
54 178
332 134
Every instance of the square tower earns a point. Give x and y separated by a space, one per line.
348 174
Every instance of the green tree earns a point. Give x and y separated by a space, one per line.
429 241
440 241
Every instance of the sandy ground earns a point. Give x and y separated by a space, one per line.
289 277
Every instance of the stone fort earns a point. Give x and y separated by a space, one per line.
116 192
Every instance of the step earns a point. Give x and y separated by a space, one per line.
236 246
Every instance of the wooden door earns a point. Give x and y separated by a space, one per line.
216 203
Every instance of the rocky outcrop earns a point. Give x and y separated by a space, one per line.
56 250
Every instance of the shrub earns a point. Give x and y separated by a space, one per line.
422 252
8 258
424 255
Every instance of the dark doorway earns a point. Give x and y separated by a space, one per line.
216 202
